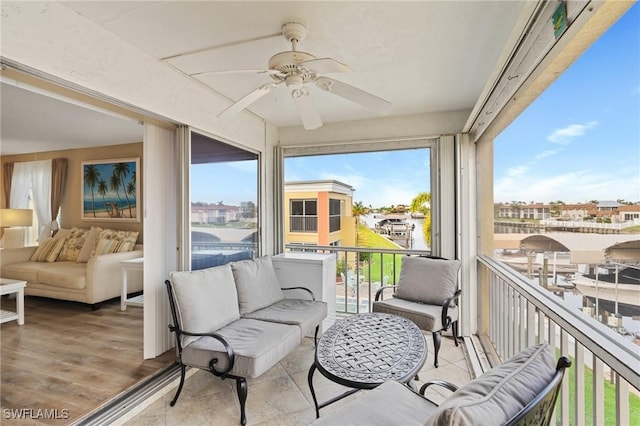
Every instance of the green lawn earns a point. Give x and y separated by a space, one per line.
368 238
609 399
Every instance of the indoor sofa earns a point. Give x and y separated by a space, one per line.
62 274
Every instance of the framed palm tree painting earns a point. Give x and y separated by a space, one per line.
110 190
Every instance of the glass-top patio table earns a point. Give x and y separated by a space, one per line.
365 350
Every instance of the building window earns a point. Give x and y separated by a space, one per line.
304 216
334 215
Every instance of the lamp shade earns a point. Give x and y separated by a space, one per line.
15 217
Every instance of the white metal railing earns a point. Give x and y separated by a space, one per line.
514 314
362 271
587 224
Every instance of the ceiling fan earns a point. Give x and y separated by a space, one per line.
296 70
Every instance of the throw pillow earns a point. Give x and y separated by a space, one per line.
48 250
105 246
90 244
206 300
73 245
126 238
429 281
257 284
499 394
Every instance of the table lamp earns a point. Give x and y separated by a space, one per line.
15 218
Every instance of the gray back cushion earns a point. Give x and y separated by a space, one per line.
429 281
206 300
498 395
256 283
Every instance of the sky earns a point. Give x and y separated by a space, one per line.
579 141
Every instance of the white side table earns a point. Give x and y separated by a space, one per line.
136 264
8 286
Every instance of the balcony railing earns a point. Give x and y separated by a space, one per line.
361 272
514 313
603 384
303 223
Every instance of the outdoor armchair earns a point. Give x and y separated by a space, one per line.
427 293
521 391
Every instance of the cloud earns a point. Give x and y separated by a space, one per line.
567 134
517 171
582 185
545 154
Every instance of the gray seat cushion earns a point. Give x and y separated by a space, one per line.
306 314
429 281
256 283
258 346
498 395
389 404
206 300
426 317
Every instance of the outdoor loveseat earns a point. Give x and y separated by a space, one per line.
234 321
521 391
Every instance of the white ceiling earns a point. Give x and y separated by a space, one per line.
422 56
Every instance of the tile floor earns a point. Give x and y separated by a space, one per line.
279 397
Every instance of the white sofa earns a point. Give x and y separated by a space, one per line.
93 282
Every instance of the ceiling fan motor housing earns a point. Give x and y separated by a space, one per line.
288 62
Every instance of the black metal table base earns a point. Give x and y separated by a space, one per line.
364 351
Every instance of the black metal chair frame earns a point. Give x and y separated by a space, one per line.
538 411
445 318
241 382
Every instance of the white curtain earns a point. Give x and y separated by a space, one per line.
20 184
37 176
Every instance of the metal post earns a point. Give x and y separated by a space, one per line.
616 290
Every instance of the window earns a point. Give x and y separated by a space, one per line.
304 216
224 197
334 215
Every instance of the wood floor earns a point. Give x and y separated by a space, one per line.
69 360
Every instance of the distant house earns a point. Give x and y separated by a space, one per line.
612 210
319 212
524 211
218 214
628 213
607 205
576 211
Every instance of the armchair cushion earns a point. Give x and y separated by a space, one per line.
206 300
426 317
256 283
498 395
429 281
392 402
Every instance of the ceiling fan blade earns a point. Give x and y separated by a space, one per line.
261 71
325 65
354 94
306 108
248 99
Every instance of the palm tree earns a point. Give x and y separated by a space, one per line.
91 176
114 184
121 170
102 190
131 190
358 209
421 203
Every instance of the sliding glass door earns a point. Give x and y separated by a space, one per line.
223 214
